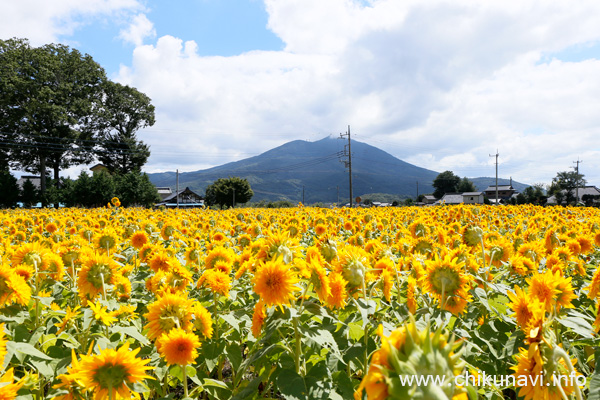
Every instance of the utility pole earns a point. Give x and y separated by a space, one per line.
348 163
496 155
577 179
417 191
233 197
177 187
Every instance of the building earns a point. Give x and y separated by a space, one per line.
473 197
591 193
36 180
451 198
184 198
98 168
429 199
164 192
504 192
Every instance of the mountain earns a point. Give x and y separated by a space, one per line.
283 173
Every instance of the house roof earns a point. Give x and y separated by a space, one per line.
187 190
36 180
472 193
492 188
451 198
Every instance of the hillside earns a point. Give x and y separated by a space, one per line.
282 173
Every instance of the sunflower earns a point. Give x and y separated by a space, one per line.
8 389
352 263
192 256
411 301
258 318
216 280
107 240
53 266
544 288
97 270
219 254
594 287
139 239
51 227
319 279
112 373
387 283
68 381
2 344
523 306
13 288
178 347
168 312
102 314
536 379
202 321
70 314
161 260
339 294
445 277
29 254
275 283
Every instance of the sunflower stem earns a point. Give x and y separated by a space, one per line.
110 392
103 286
185 386
560 353
366 328
298 343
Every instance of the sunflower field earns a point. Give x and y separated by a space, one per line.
300 303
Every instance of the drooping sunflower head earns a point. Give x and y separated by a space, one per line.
409 351
112 370
107 240
352 263
219 254
202 321
97 270
30 254
169 311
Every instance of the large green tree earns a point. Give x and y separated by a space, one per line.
564 186
123 111
48 95
9 189
228 191
445 182
465 185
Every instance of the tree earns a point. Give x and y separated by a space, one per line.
135 189
48 95
9 189
123 111
445 182
465 185
564 185
228 191
29 194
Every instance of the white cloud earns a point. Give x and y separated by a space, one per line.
47 21
139 29
437 83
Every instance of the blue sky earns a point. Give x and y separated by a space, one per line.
220 28
438 84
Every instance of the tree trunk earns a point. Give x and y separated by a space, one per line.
43 180
56 168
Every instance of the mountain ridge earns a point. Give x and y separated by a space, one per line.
314 170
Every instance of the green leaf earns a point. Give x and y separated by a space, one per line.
130 331
291 385
355 331
594 393
26 348
231 320
215 383
578 325
234 354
